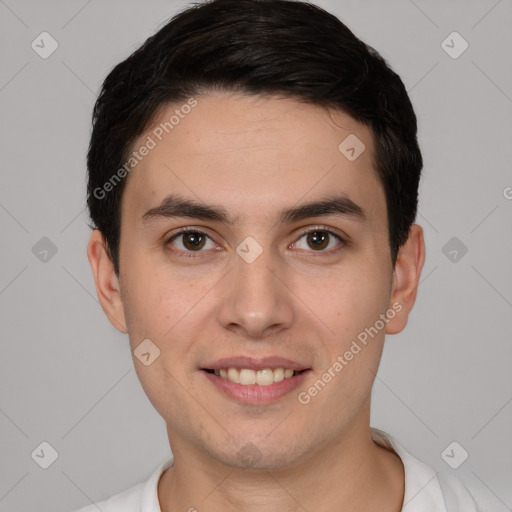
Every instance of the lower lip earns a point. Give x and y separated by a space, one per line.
254 393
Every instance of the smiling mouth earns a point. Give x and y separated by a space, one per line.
247 376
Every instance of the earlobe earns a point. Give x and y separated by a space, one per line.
406 276
107 284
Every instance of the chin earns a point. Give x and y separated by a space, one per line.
259 455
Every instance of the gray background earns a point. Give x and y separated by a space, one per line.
66 375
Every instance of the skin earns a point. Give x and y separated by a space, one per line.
256 156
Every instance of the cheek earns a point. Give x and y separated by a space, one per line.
143 306
358 343
159 309
163 306
349 304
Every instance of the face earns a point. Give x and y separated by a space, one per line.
253 249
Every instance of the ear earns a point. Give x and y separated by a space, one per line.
406 276
108 287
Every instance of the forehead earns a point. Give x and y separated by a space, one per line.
253 154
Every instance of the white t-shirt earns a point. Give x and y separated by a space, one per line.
425 489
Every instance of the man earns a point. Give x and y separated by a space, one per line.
253 184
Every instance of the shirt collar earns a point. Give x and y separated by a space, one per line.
422 490
149 499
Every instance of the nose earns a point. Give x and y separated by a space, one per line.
256 302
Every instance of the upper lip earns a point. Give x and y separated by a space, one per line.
255 363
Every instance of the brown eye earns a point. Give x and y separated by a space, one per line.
318 240
191 241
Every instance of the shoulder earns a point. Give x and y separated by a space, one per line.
143 496
456 495
126 501
433 491
467 495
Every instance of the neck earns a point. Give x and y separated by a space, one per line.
351 474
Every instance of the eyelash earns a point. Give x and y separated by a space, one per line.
202 254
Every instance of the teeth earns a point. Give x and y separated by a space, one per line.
263 377
278 375
233 375
247 377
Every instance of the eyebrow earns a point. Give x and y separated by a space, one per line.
175 206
